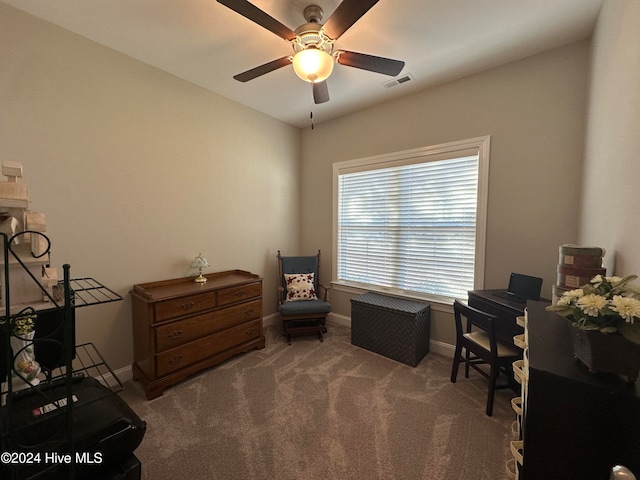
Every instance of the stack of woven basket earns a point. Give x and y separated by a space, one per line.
576 267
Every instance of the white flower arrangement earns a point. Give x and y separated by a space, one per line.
606 304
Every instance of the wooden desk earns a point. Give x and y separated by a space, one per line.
506 311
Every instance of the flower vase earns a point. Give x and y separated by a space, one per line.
25 368
606 352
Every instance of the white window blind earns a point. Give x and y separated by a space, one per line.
410 226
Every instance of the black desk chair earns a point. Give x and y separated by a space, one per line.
481 348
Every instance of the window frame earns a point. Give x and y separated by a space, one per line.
414 156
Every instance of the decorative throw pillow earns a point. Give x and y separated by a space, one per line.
300 287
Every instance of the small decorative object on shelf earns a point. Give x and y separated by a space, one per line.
200 262
25 368
606 315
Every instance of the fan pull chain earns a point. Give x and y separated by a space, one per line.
311 117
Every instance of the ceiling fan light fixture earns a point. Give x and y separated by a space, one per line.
313 65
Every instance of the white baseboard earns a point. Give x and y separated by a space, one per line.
269 320
441 348
124 374
340 319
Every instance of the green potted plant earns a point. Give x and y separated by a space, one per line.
606 316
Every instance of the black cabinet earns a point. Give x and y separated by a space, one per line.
577 425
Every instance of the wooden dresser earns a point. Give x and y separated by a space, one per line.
181 327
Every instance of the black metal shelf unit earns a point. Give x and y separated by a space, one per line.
38 418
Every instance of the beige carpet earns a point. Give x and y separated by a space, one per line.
325 411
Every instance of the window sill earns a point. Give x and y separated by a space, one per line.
438 303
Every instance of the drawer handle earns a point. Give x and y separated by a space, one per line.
175 334
249 332
241 293
187 305
176 359
249 312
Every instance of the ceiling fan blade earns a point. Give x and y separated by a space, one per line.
320 92
253 13
262 69
347 13
386 66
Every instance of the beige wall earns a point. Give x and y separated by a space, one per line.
138 171
612 161
534 111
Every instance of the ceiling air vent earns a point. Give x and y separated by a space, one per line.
398 81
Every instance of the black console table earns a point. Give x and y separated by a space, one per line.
576 425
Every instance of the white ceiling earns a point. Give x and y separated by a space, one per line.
206 43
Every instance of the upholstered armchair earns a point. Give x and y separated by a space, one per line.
302 299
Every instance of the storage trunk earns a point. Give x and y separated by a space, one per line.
394 327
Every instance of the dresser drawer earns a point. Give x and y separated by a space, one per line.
180 357
239 293
178 307
183 331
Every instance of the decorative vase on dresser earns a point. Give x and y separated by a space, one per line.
605 316
181 327
610 353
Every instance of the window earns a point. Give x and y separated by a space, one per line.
413 222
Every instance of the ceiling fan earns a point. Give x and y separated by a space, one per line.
313 43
